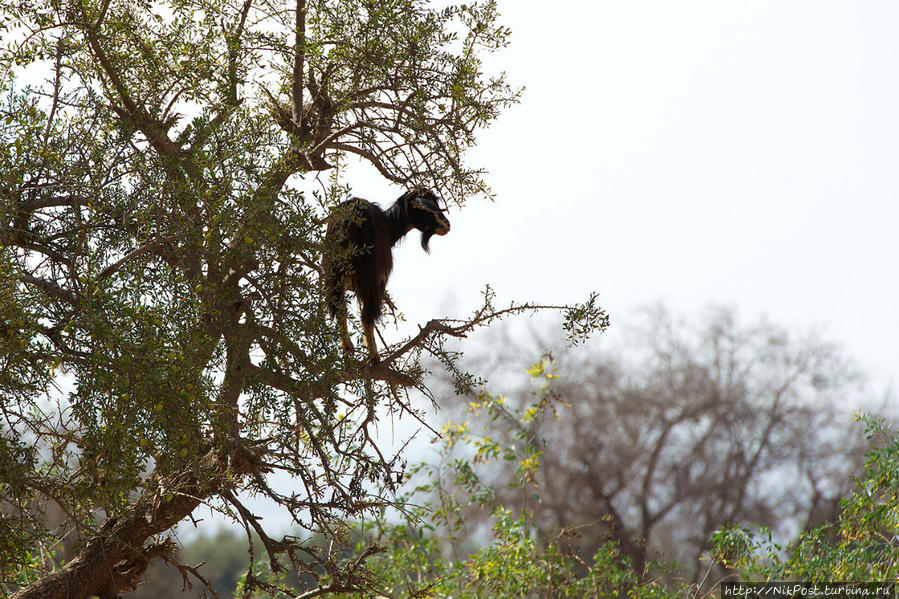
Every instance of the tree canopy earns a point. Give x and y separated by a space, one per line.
162 333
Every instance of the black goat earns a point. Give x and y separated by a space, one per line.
358 257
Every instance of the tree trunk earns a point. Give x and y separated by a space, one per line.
117 556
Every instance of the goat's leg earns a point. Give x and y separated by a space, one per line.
371 300
369 330
336 298
345 340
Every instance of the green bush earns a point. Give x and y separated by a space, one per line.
862 546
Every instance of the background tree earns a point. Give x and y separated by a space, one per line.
162 334
687 426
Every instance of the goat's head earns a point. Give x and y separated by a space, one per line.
424 214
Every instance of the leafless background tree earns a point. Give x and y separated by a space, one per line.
690 425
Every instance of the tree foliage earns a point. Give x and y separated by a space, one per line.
162 333
860 545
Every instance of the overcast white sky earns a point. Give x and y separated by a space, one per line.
689 152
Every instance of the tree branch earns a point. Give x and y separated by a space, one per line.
154 130
374 160
50 288
114 267
299 54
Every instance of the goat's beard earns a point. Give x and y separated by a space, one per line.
425 238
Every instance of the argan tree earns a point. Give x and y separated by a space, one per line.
163 344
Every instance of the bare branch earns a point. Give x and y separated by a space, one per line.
374 160
299 54
50 288
115 266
